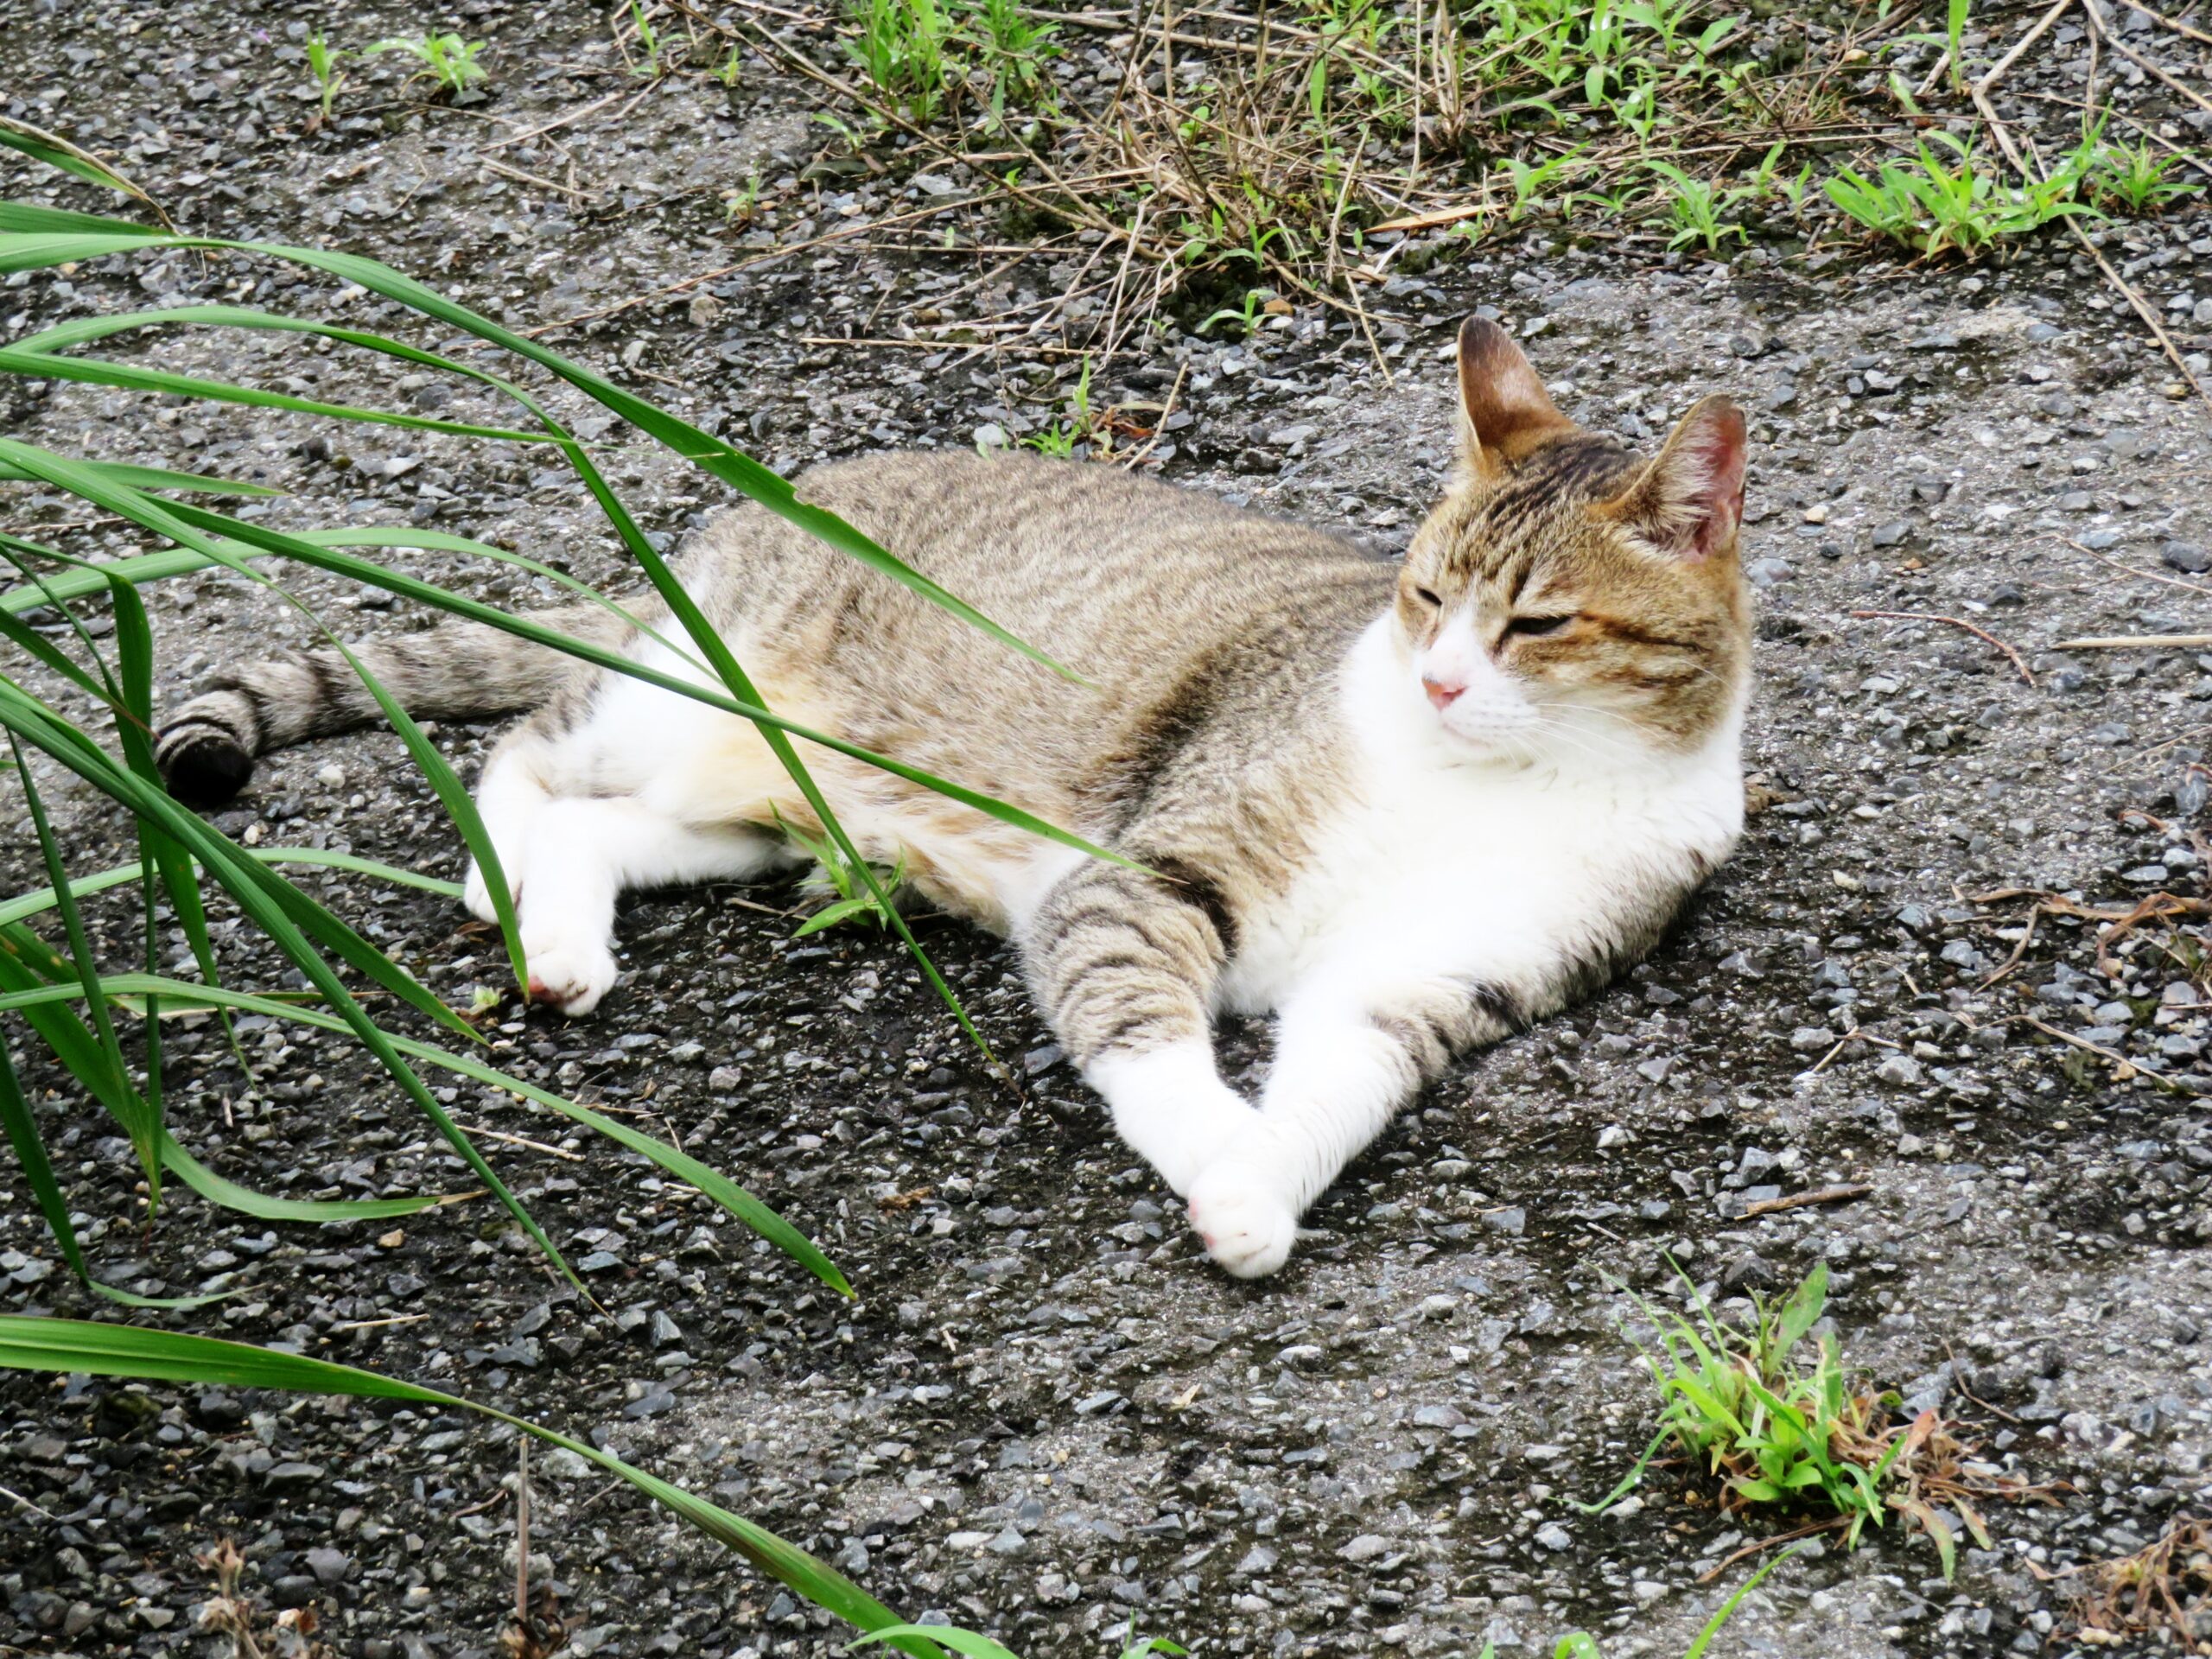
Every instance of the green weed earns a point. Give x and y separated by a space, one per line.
2135 178
325 66
1780 1432
1695 207
446 59
1938 206
1012 49
902 47
648 65
856 893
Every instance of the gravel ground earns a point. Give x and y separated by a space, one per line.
1046 1414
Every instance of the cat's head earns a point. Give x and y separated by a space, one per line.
1568 596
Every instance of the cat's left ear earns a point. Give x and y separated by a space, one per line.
1688 500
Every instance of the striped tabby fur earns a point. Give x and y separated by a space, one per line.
1408 806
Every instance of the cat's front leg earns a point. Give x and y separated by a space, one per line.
1344 1064
1124 966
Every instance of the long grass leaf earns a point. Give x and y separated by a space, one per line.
733 1198
74 1345
38 1170
137 1118
35 903
158 478
58 152
129 377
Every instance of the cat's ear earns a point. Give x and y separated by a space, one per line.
1504 407
1688 500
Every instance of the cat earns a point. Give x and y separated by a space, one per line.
1405 806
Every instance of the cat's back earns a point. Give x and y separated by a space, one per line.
1122 578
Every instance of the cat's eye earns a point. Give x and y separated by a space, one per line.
1428 599
1536 626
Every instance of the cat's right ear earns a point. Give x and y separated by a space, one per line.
1504 409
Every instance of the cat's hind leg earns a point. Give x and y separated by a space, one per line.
582 855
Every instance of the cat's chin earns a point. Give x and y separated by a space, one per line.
1487 749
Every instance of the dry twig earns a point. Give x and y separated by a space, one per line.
1957 622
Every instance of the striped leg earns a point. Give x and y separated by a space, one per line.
1125 967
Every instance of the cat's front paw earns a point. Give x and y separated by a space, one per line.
571 975
1242 1212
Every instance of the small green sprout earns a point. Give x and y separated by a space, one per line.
446 59
325 66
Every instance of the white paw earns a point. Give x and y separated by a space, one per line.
570 974
1242 1212
476 894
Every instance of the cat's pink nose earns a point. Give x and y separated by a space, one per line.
1440 692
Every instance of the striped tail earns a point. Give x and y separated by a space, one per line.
458 670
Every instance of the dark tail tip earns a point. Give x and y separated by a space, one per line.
204 766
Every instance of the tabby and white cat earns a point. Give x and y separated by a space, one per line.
1405 806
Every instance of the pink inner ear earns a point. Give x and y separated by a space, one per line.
1713 457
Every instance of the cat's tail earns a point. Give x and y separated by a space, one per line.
458 670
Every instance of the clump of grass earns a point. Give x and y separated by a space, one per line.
2133 178
903 46
1059 439
1938 204
658 57
446 59
2163 1589
853 896
1801 1437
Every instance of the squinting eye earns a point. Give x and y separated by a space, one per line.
1428 598
1533 626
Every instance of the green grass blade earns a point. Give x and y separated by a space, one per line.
74 1345
38 1172
128 377
58 152
263 1206
1630 1481
158 478
28 905
733 1198
138 1119
964 1641
18 218
1696 1649
459 807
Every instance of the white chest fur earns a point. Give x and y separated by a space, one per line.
1439 866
